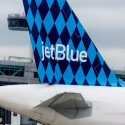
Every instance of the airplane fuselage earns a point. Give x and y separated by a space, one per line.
108 103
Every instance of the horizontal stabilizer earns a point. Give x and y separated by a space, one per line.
71 105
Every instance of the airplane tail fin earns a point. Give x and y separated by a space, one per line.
64 53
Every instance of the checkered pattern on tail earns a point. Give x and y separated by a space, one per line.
54 22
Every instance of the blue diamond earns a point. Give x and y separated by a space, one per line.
41 72
68 75
38 20
49 73
80 77
112 79
48 22
30 19
91 78
102 79
58 74
91 52
60 23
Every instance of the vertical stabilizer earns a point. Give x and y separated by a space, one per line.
64 53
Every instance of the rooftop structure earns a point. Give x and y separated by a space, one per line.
17 22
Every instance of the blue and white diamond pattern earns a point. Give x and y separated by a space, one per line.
54 22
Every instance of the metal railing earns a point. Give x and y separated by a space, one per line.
17 59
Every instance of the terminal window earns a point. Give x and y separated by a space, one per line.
7 70
36 75
17 23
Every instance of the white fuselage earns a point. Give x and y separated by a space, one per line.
108 103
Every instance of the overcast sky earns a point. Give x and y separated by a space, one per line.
104 20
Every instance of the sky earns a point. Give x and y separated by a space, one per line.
104 20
